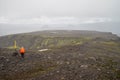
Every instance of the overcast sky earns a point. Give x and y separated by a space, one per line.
22 9
59 11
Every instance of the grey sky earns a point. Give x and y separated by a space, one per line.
77 8
58 12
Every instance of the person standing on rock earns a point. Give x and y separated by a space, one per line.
22 51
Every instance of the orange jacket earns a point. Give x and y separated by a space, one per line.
22 50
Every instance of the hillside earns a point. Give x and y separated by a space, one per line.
57 38
74 55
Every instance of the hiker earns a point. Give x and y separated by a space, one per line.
22 51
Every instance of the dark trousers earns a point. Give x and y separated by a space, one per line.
22 55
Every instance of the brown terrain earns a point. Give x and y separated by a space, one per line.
86 55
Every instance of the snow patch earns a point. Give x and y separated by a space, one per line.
43 50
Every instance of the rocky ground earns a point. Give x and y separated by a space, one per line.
89 61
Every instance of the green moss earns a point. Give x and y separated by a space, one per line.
49 42
118 74
110 43
11 47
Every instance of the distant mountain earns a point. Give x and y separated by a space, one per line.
54 38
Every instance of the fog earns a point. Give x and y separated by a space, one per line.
18 16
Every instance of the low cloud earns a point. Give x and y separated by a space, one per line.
97 20
54 20
4 20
